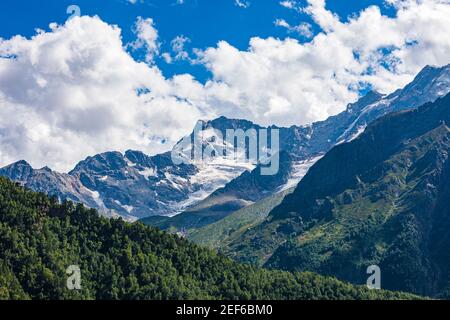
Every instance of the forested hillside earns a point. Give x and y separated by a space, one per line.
381 199
40 238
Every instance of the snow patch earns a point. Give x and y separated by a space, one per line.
358 132
212 176
97 199
299 170
148 172
127 208
129 163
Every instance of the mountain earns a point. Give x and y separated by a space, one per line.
45 180
302 147
134 185
130 185
383 199
248 188
40 238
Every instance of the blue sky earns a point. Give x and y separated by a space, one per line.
204 22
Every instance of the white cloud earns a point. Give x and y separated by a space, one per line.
288 4
72 92
303 29
291 4
147 37
242 3
326 19
287 82
178 47
167 57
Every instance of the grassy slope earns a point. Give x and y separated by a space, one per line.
224 231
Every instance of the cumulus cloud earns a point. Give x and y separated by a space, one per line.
291 4
303 29
75 91
287 82
178 48
147 38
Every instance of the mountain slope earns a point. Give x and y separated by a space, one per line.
381 199
304 146
40 238
225 231
134 185
248 188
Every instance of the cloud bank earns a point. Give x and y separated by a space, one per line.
75 91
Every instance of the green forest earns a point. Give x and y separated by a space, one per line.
41 237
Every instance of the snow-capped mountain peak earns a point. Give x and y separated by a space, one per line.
134 185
